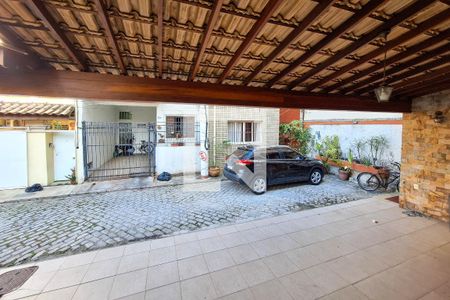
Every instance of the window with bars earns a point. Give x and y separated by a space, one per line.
180 127
243 132
124 115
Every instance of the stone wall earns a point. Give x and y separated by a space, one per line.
426 157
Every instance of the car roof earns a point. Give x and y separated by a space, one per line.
274 147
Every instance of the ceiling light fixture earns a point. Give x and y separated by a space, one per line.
383 92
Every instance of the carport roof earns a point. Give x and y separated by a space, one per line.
328 47
35 109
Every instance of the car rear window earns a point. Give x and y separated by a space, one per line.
242 153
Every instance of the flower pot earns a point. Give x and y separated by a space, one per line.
214 171
343 175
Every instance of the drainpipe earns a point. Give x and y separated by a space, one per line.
203 141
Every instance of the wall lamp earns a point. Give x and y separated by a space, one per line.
438 117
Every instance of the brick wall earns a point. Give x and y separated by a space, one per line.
268 120
426 157
288 115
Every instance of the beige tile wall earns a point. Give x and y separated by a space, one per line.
219 116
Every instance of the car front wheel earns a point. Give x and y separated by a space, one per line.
259 185
315 177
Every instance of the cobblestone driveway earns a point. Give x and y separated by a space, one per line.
31 230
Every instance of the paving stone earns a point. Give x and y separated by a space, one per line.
78 223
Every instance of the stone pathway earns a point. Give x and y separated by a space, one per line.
32 230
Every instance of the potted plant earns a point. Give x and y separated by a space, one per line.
222 148
346 171
72 177
178 136
213 171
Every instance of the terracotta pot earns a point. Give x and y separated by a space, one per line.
344 175
214 171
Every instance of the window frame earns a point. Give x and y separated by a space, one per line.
182 125
254 131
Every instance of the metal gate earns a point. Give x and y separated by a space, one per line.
118 150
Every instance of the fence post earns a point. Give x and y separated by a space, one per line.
84 141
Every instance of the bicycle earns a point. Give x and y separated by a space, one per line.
371 182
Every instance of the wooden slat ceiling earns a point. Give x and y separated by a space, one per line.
305 45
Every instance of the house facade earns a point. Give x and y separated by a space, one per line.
232 126
131 139
165 137
109 140
37 138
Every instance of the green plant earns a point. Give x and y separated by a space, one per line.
350 156
377 146
72 177
345 169
221 150
318 147
360 146
332 147
299 137
366 161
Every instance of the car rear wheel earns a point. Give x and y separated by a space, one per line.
315 177
259 185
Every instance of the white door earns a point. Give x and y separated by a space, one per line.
13 159
64 154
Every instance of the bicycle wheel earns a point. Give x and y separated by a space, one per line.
368 181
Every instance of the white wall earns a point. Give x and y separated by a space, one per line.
348 134
13 159
180 159
316 115
176 160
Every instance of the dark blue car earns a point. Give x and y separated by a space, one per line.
259 167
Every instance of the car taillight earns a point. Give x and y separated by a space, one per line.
244 162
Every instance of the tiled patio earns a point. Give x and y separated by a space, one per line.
366 249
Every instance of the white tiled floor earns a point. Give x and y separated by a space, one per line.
335 252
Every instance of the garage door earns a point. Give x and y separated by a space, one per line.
13 159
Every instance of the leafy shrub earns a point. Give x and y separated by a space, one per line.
299 137
332 147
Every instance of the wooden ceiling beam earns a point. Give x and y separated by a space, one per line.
229 9
365 39
340 30
160 13
413 50
411 83
266 14
106 24
21 25
45 16
421 28
427 83
213 17
413 72
28 60
316 12
429 89
96 86
403 66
